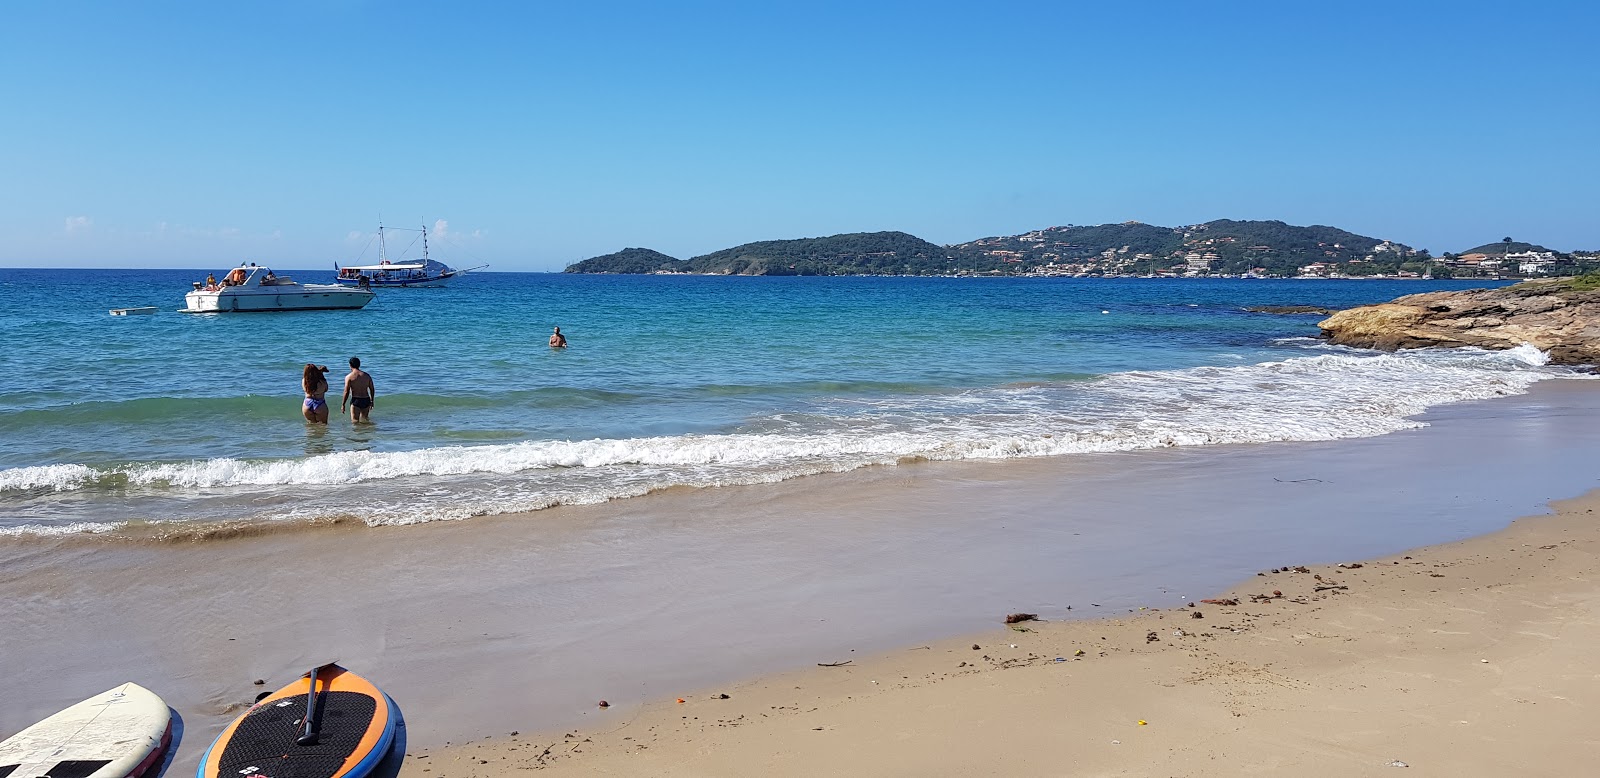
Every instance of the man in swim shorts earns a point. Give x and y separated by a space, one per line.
557 340
359 392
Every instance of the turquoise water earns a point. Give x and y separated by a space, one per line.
669 381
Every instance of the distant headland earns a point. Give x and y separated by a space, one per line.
1222 248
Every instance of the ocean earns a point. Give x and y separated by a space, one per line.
175 423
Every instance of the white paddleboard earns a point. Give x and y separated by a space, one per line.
121 733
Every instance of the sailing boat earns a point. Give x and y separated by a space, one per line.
423 272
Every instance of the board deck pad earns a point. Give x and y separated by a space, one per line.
76 768
265 739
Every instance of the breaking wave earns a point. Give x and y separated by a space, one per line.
1328 396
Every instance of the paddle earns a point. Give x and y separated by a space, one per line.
308 737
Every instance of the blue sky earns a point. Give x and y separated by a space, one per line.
164 134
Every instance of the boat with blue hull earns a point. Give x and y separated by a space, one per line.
405 273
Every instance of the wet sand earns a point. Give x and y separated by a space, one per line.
523 622
1468 659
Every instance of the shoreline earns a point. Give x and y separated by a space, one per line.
1464 658
542 615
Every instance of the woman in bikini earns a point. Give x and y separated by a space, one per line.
315 385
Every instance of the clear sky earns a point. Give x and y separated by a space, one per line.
154 134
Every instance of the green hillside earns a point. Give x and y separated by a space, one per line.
1221 247
856 253
1497 249
632 260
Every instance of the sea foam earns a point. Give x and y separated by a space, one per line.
1328 396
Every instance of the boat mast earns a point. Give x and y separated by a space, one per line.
381 255
424 244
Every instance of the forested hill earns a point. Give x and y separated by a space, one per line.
1222 246
628 261
1226 245
856 253
1497 249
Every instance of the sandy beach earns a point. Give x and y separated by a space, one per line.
1466 659
524 622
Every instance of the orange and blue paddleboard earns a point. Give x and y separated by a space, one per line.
331 723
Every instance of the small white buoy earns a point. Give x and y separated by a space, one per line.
1105 311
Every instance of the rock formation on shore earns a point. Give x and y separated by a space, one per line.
1560 316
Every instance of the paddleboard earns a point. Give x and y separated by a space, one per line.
121 733
354 727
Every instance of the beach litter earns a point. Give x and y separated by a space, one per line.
1223 601
605 704
1152 638
1396 763
1016 618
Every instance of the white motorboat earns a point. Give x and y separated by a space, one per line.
256 288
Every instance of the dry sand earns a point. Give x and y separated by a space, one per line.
1471 658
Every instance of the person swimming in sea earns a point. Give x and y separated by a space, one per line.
359 392
315 386
557 340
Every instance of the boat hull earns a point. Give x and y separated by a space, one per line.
297 297
396 282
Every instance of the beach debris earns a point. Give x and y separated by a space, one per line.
841 664
1152 638
1354 565
1197 615
1116 742
1016 618
1079 652
259 682
722 696
1302 569
1485 661
680 700
1396 763
1263 575
605 704
1317 577
1178 633
974 646
1191 605
1143 723
1276 593
1326 588
1221 601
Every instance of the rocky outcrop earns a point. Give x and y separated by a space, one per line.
1559 316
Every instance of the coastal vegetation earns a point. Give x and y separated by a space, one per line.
1224 247
631 260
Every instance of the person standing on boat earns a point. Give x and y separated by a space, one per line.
557 340
315 385
359 392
